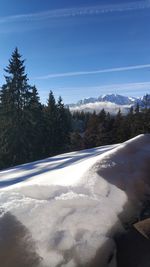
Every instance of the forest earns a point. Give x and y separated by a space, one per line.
30 130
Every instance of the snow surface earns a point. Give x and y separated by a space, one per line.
64 211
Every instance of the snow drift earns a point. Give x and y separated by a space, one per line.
64 211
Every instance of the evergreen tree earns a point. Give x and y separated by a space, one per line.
50 126
102 127
138 125
63 127
58 126
76 141
129 124
107 130
146 101
35 119
14 97
92 133
118 128
137 108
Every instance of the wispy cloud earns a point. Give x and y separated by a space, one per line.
77 11
80 73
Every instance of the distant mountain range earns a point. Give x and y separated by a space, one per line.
110 102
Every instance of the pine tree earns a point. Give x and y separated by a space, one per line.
118 128
76 141
92 134
129 124
35 119
107 129
63 127
50 116
146 101
137 108
137 121
14 97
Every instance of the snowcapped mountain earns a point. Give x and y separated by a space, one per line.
112 98
110 102
116 99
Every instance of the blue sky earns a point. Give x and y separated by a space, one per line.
78 48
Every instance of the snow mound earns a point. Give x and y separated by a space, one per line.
128 167
66 214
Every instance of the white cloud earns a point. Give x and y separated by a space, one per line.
98 106
80 73
77 11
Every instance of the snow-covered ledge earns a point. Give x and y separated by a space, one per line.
64 211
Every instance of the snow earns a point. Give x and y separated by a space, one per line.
55 170
70 206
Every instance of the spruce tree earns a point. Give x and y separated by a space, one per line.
50 125
92 134
63 126
14 98
76 142
35 119
118 128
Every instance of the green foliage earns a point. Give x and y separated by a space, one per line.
63 124
28 130
14 98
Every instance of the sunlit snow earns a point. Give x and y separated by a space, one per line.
66 209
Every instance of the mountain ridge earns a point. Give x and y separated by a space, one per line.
110 102
113 98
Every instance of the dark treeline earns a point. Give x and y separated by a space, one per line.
30 131
91 130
